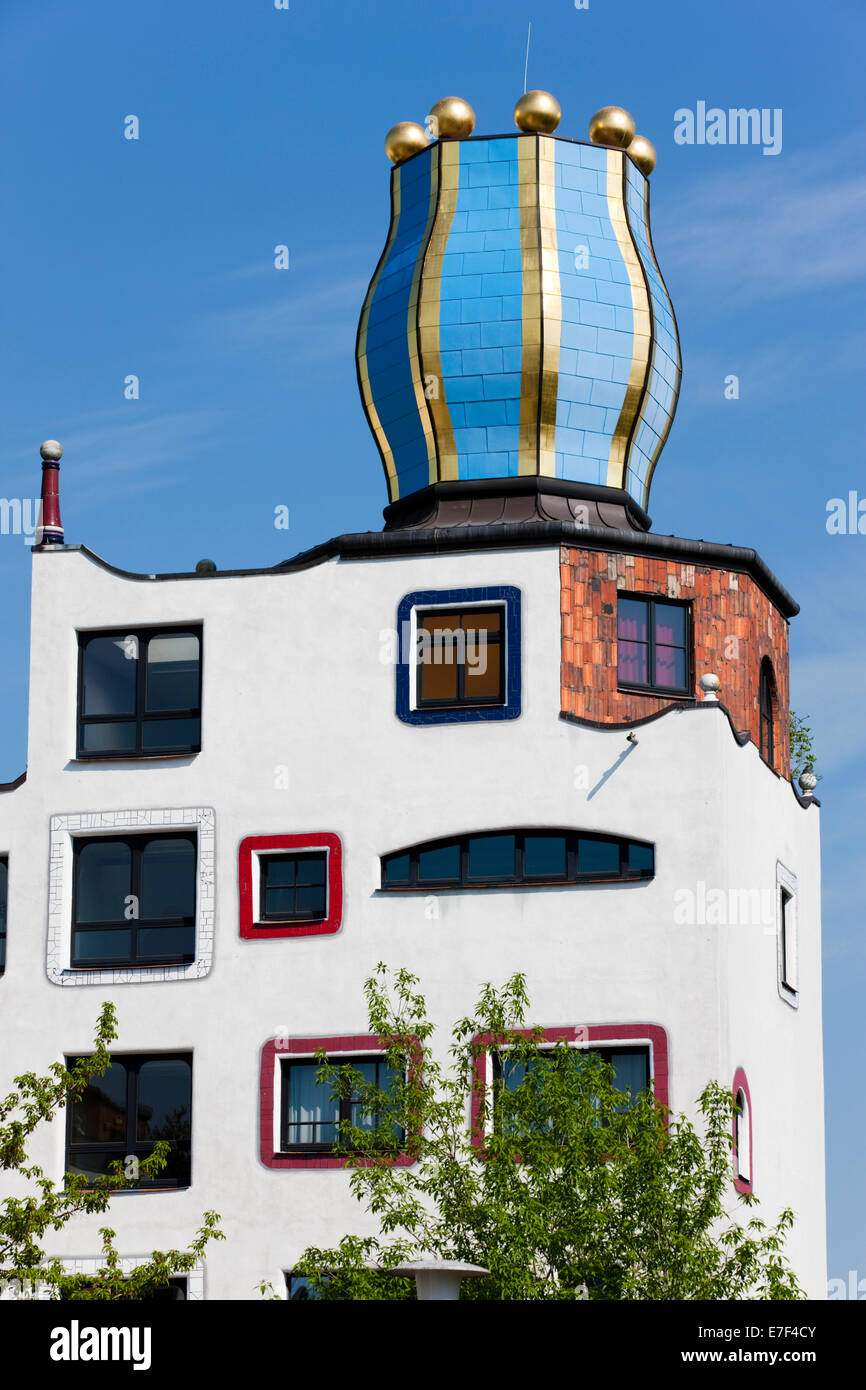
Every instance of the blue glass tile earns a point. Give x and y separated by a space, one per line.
502 437
487 412
498 387
464 388
477 310
592 364
500 334
586 417
483 360
460 335
512 359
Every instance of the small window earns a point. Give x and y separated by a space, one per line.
133 900
293 887
460 657
123 1112
767 712
631 1073
519 858
139 693
788 940
4 899
653 645
742 1139
312 1110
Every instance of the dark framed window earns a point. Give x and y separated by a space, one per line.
631 1067
460 657
742 1138
653 644
788 931
133 900
524 858
311 1111
122 1113
173 1292
767 712
139 692
4 901
293 887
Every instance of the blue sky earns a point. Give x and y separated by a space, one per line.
261 127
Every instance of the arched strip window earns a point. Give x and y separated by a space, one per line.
525 858
767 712
742 1133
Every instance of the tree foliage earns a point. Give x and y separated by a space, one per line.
563 1187
24 1221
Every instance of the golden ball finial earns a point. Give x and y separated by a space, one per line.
612 126
538 112
643 152
452 117
405 139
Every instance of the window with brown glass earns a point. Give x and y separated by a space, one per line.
767 712
460 657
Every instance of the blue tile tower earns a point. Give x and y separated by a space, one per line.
517 325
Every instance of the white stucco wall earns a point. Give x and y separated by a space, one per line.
293 680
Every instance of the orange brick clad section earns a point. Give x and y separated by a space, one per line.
734 626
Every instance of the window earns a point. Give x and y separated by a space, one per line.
653 645
139 693
292 887
767 712
459 655
312 1111
4 899
638 1052
521 858
122 1113
173 1292
787 933
133 900
789 941
742 1133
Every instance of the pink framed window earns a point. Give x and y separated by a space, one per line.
277 1122
742 1134
626 1039
290 885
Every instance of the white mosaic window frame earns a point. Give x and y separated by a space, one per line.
64 829
89 1264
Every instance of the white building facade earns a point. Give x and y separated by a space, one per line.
244 789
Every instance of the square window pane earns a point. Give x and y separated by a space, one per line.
280 871
171 943
110 675
279 902
310 900
164 1099
311 869
104 880
491 856
544 856
670 667
438 679
483 670
640 858
162 735
172 672
597 857
486 621
442 863
631 663
101 945
313 1109
630 1071
632 620
167 878
670 625
99 1117
397 868
109 738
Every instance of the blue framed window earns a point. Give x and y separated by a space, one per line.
459 655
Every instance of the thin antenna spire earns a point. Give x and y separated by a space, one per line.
526 64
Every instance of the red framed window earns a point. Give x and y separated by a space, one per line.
280 1143
606 1038
290 885
744 1172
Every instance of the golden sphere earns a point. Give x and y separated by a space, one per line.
643 152
538 112
612 126
452 116
405 139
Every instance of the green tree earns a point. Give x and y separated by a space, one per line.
564 1187
801 750
24 1221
